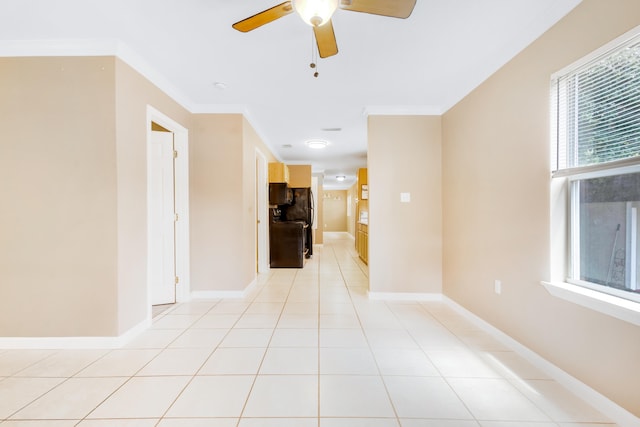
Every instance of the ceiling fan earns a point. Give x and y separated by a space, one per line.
317 13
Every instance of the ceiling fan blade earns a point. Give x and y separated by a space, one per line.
264 17
326 40
392 8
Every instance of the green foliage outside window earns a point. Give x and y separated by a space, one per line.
606 96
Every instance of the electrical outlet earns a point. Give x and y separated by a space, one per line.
497 287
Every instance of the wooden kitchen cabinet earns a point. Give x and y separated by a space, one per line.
362 242
299 176
278 173
362 215
363 184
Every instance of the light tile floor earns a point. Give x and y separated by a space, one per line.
307 348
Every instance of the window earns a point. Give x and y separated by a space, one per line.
596 127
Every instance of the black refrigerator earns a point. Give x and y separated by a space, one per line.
291 235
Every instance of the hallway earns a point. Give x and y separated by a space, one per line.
306 348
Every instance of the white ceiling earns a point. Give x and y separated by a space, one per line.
422 65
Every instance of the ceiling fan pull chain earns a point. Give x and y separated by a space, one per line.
314 57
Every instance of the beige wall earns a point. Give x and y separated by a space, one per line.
133 94
85 220
222 201
351 220
318 235
496 209
405 239
58 222
73 253
334 210
251 142
216 201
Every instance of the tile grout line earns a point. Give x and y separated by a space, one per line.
257 374
380 376
195 374
318 405
129 378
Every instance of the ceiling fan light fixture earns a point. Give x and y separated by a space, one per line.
315 12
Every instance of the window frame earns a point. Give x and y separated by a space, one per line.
564 204
574 230
558 82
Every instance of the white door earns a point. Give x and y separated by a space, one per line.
262 264
162 219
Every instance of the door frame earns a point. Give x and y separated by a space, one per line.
261 212
181 145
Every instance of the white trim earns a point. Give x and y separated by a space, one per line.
207 295
403 110
608 408
621 167
404 296
250 287
604 50
262 207
136 61
95 47
602 298
258 130
119 49
181 141
74 343
620 308
59 47
219 109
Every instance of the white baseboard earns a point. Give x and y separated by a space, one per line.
404 296
607 407
203 295
73 343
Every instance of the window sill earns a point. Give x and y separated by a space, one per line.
610 305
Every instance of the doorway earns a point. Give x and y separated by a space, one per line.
162 217
167 211
262 264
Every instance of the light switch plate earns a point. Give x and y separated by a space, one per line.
405 197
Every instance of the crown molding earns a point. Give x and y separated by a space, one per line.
403 110
96 47
58 47
119 49
218 109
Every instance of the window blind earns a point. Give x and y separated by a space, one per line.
597 109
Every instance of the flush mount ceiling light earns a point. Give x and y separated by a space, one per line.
317 144
341 177
219 85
